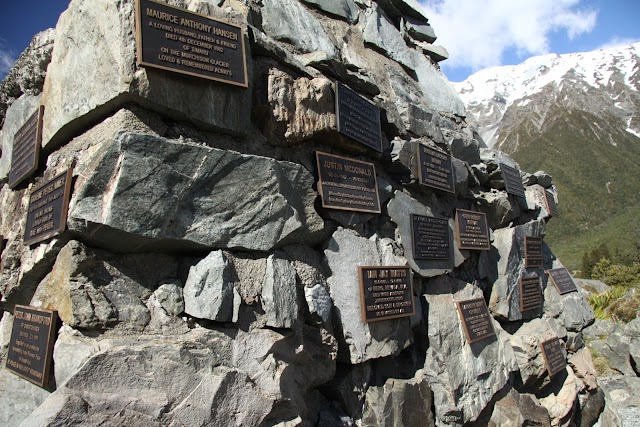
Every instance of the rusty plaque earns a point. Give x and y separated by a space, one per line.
530 293
430 237
26 149
552 206
476 320
31 346
47 210
472 230
385 293
512 180
358 118
347 184
532 252
562 280
435 168
554 356
178 40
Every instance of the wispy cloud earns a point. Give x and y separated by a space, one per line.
7 59
618 42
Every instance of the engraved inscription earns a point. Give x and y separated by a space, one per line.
562 280
552 206
530 293
435 168
512 180
26 149
476 320
358 118
47 211
385 293
554 356
533 252
472 230
430 237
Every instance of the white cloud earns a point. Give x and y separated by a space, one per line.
477 33
618 42
6 62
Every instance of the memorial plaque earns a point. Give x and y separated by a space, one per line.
430 237
552 206
178 40
385 293
532 252
31 345
26 149
476 320
562 280
530 293
512 180
435 168
554 357
472 230
47 211
347 184
358 118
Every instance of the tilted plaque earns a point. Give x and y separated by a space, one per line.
530 293
178 40
358 118
435 168
472 230
552 206
385 293
562 280
512 180
430 237
31 345
26 149
554 357
532 252
47 210
476 320
347 184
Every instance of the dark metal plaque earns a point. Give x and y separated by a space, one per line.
435 168
552 206
385 293
185 42
554 357
562 280
472 230
31 346
347 184
476 320
26 149
530 293
512 180
532 252
358 118
47 211
430 237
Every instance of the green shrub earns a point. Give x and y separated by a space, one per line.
600 302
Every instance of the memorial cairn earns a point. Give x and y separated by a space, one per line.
271 213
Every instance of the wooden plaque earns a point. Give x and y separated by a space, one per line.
472 230
512 180
26 149
435 168
552 206
562 280
476 320
31 345
178 40
347 184
47 209
554 357
430 237
385 293
358 118
533 252
530 293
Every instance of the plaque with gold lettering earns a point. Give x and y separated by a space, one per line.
530 293
430 237
47 210
358 118
512 180
532 252
26 149
476 320
185 42
554 356
385 293
31 346
552 206
472 230
562 280
435 168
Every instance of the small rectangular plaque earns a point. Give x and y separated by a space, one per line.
47 209
472 230
178 40
435 168
476 320
347 184
562 280
552 206
532 252
554 357
358 118
385 293
530 293
430 237
26 149
512 180
31 345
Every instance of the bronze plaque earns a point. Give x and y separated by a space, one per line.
512 180
26 149
385 293
476 320
430 237
178 40
31 346
347 184
562 280
532 252
554 357
472 230
435 168
47 210
552 206
358 118
530 293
